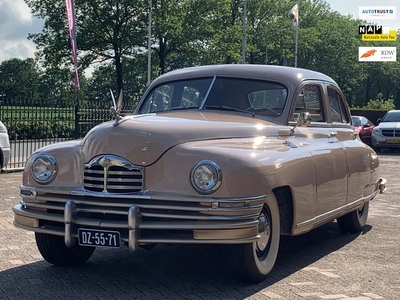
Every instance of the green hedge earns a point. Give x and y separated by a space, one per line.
40 130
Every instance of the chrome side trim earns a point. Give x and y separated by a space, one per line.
336 212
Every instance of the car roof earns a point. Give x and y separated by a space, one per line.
288 75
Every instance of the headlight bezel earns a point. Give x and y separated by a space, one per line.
47 160
212 168
376 130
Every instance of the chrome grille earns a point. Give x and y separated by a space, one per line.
112 174
391 132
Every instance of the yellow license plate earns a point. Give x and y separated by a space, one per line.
393 141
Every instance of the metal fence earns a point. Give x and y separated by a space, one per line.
31 127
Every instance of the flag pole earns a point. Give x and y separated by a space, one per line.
297 36
244 32
149 45
70 6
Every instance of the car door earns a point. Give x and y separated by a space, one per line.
328 152
366 130
357 154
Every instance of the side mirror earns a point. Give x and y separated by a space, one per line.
303 119
378 121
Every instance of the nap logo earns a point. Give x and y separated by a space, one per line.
376 53
377 12
379 33
373 29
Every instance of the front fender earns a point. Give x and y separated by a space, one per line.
250 167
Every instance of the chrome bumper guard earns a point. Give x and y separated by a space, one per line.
71 215
382 185
209 220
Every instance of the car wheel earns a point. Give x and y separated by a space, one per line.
54 251
376 149
252 262
354 221
1 159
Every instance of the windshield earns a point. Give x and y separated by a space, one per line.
392 117
176 95
233 94
356 121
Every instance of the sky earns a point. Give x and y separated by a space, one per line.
16 22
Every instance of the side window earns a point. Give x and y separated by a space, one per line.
365 121
310 100
337 107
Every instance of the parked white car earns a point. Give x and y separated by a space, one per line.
387 133
4 146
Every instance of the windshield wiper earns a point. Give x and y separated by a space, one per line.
183 108
223 107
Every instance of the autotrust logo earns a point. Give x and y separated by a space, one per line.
377 12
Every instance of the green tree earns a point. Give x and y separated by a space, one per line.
18 80
106 31
102 81
54 90
380 103
113 36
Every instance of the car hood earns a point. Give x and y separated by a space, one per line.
144 138
388 125
3 128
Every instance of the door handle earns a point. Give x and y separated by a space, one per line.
332 137
333 134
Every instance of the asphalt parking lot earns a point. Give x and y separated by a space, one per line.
323 264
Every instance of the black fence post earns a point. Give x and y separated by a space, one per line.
77 131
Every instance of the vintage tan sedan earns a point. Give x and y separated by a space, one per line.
226 154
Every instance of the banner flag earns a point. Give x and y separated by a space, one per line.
72 34
294 14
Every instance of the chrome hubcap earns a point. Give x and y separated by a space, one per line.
264 229
361 211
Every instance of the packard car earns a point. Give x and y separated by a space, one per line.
222 154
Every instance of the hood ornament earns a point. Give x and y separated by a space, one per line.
115 110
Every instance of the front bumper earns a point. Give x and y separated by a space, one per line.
6 155
380 141
141 219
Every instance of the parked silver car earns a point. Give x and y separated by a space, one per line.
4 146
387 133
226 154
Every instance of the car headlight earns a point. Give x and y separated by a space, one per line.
206 177
375 130
44 168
